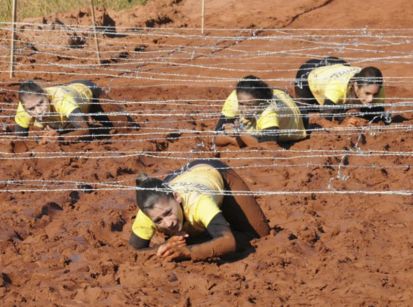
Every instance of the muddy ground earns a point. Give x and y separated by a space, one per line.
66 209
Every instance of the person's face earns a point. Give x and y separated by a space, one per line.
248 105
366 93
167 215
36 105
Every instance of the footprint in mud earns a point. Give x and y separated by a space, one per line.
140 48
107 25
48 209
74 197
76 41
161 20
124 170
160 146
292 237
5 280
173 136
117 225
121 56
85 188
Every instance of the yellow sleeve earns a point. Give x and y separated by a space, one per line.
22 118
66 106
335 92
230 108
205 210
268 119
143 226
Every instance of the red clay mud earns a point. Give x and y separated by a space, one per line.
69 247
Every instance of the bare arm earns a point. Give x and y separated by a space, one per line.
267 135
245 138
223 242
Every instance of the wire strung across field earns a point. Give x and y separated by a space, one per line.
219 58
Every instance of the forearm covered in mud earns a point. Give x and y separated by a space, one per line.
223 241
267 135
216 247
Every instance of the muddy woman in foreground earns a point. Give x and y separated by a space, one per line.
198 203
331 83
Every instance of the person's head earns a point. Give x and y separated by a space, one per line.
252 95
160 204
367 84
34 99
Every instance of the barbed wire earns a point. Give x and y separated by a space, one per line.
363 41
186 155
226 193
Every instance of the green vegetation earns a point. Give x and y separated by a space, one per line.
38 8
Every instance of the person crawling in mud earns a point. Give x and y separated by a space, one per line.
59 109
330 83
255 113
197 204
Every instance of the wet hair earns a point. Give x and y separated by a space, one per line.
255 87
369 76
149 191
30 88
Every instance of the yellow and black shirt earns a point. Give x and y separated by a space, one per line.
201 190
63 101
282 113
331 83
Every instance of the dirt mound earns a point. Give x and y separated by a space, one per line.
66 210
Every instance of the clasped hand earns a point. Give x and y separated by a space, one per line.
174 249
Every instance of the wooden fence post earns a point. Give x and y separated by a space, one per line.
92 7
13 38
202 16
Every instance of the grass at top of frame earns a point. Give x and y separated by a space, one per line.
39 8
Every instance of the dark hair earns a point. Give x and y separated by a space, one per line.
149 191
369 76
332 60
30 87
255 87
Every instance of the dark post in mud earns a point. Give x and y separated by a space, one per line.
92 8
13 37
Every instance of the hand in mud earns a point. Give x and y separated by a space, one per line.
173 242
176 252
49 136
386 118
352 121
245 124
224 140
